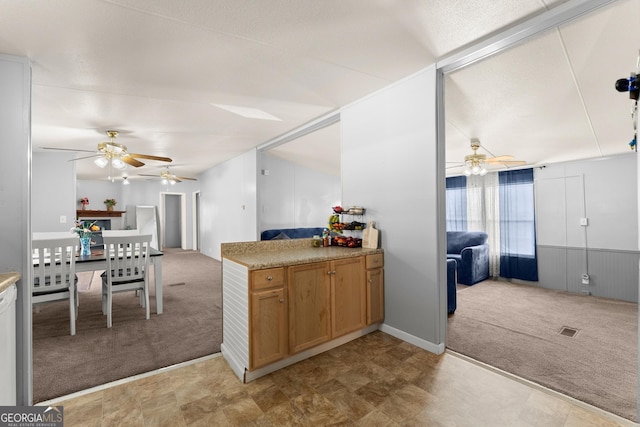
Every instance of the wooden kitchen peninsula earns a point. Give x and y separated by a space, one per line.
285 301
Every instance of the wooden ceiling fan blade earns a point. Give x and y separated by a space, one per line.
513 163
131 161
184 177
146 174
499 159
149 157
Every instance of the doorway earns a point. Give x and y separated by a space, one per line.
173 226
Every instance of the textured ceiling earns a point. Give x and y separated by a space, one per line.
552 98
153 69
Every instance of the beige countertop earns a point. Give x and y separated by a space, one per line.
259 255
8 279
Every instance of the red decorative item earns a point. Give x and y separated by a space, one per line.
84 201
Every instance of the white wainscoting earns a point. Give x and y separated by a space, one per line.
235 316
612 273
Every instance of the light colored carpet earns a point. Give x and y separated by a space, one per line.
190 327
517 328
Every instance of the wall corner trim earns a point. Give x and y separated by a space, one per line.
412 339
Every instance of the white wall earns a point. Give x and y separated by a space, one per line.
53 191
137 193
389 166
605 192
15 203
97 192
292 195
228 203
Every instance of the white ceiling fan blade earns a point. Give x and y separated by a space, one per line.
86 157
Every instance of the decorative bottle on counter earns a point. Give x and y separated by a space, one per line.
325 238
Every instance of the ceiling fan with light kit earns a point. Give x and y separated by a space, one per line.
113 154
475 163
168 178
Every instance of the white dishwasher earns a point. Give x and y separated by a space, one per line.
8 346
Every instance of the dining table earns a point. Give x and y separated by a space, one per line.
98 261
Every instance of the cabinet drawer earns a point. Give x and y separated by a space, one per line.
267 278
375 260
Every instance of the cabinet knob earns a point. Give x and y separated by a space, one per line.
281 300
269 278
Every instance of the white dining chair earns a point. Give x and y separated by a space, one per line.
119 233
127 270
54 273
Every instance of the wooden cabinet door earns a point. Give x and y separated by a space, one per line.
268 327
309 290
375 296
348 296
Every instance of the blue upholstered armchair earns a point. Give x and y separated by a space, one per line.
471 252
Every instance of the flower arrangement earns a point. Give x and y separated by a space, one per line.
110 202
84 202
84 229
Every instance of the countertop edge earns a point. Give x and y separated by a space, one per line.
8 279
285 258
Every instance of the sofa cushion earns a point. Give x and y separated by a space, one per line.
281 236
451 286
292 233
458 240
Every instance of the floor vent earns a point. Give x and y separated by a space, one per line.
568 332
178 284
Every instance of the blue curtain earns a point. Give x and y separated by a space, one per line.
518 257
457 203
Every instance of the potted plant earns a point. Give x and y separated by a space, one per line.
110 204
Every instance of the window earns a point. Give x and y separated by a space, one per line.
517 225
457 203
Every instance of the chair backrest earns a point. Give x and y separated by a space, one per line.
54 263
117 233
45 235
127 257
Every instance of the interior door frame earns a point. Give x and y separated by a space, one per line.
195 220
498 43
183 218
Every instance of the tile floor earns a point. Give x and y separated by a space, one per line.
376 380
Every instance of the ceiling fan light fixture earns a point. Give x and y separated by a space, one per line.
125 181
117 163
101 162
164 181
